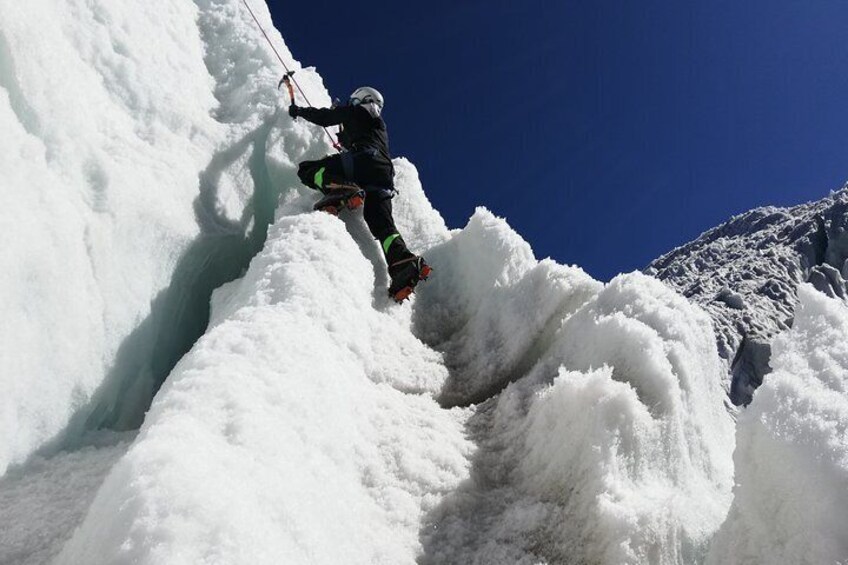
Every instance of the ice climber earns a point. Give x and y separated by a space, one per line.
363 172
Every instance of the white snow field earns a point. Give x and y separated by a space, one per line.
515 411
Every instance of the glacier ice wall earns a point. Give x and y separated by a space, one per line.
103 140
135 181
516 412
342 451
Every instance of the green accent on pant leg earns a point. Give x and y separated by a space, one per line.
319 177
388 242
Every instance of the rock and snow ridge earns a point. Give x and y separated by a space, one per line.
516 411
791 494
745 273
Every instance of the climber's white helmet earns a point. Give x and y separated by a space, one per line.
369 98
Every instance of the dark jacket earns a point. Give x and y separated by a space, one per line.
363 135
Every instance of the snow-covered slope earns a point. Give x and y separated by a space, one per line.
745 273
614 448
791 498
295 429
516 411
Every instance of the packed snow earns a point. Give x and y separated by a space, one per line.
294 431
41 504
514 411
614 448
791 498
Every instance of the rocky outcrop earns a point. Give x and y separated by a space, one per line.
745 273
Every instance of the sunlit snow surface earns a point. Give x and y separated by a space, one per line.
613 449
791 499
515 411
303 427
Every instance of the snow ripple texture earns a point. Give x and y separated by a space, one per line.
614 448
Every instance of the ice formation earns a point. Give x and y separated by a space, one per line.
293 431
516 411
614 448
791 498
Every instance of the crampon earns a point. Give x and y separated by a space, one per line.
343 197
407 276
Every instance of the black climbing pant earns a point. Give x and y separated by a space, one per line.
358 167
378 216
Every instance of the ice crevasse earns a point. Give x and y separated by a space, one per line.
516 411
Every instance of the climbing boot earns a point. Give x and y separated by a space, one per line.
405 277
341 197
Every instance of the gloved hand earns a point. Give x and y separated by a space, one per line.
344 139
293 110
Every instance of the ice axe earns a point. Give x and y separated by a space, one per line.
287 79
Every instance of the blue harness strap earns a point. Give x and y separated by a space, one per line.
380 191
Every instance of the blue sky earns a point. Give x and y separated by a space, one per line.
607 133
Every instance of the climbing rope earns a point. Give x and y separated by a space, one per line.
288 78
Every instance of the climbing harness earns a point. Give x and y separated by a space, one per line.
288 78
